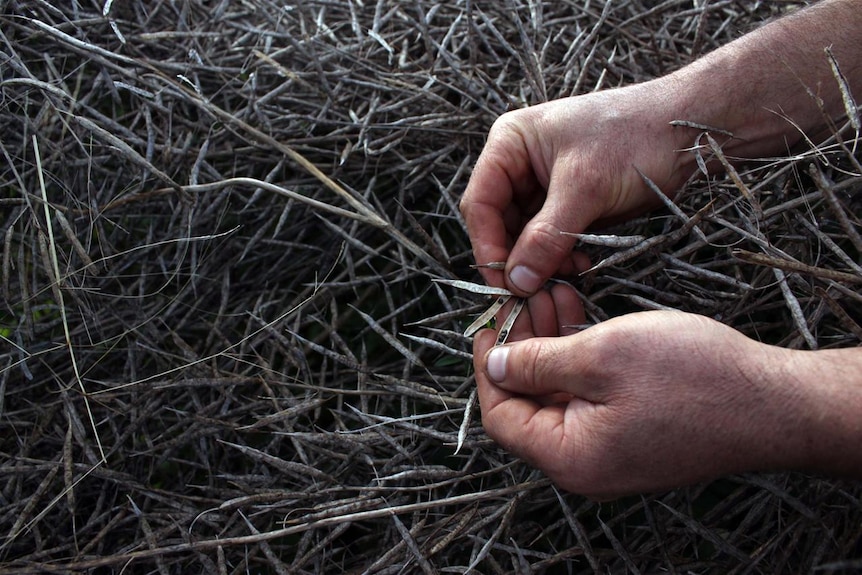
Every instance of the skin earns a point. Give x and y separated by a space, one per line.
655 400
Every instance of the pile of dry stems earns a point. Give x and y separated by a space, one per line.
221 350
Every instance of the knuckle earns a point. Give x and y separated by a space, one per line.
504 123
546 238
511 127
528 361
604 352
547 232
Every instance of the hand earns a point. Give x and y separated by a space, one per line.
645 402
563 165
566 164
656 400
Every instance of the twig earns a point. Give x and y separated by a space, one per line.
850 106
794 266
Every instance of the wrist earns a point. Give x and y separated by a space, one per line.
830 384
775 85
658 104
770 410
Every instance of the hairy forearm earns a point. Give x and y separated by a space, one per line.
831 381
770 89
776 83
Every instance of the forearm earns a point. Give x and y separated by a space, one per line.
831 381
765 87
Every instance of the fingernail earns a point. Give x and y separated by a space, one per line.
525 279
497 363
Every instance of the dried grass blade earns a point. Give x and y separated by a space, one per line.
578 530
839 312
705 273
506 328
701 127
79 249
620 257
411 543
473 287
825 186
124 149
287 467
382 332
795 309
846 95
794 266
609 241
465 422
54 271
486 315
433 344
648 303
734 176
675 209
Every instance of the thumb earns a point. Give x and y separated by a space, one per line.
541 249
535 366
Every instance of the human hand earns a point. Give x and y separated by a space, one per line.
563 165
644 402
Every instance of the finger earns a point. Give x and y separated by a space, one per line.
542 314
570 309
488 237
553 311
505 414
525 428
538 318
502 170
542 250
489 395
547 436
581 261
548 313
